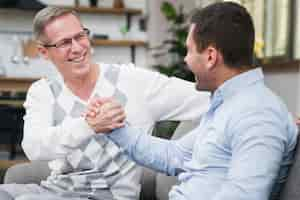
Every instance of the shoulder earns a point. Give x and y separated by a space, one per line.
43 88
128 73
256 98
39 85
133 70
259 108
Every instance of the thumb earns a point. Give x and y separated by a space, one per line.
103 100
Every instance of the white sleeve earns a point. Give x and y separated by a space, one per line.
175 99
42 140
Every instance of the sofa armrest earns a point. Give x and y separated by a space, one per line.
148 185
31 172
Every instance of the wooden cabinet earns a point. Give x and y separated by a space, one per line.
14 85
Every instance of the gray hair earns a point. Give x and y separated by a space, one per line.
45 16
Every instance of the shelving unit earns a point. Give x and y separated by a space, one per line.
125 43
101 10
15 84
128 12
22 84
15 103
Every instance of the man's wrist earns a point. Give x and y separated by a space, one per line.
90 124
80 129
118 133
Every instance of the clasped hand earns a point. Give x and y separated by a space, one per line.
104 115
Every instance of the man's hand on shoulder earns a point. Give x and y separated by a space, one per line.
104 115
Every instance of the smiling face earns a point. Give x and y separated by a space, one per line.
73 60
201 63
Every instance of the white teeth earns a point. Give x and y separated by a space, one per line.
78 59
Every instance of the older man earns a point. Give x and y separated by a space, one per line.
86 165
244 144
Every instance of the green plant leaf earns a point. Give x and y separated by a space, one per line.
168 10
175 45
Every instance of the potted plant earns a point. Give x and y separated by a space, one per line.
175 46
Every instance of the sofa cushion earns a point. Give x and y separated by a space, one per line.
291 189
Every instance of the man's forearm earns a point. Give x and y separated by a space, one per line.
149 151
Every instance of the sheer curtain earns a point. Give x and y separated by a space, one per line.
203 3
272 26
256 9
297 31
277 27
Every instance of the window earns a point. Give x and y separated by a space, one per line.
297 31
273 21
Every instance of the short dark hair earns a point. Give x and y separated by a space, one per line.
229 27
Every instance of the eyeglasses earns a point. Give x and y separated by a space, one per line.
67 43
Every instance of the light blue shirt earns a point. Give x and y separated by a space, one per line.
243 145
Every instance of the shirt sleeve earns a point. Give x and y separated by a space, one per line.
175 99
42 140
167 156
168 98
258 139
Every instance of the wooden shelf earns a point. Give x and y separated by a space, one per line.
15 84
102 10
282 65
15 103
18 10
126 43
4 164
128 12
86 9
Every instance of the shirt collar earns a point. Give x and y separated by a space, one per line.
235 84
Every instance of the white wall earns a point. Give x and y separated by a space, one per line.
286 84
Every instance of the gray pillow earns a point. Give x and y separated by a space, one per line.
291 189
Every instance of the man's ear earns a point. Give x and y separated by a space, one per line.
212 57
43 51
